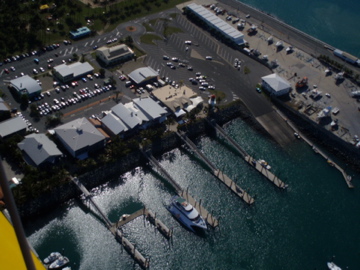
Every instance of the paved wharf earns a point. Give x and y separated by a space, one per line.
144 263
212 221
124 219
219 174
347 177
269 175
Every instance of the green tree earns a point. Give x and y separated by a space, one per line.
102 72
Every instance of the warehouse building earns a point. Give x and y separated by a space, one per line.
67 73
216 23
275 84
25 85
114 55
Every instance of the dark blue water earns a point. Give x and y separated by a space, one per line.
332 21
301 228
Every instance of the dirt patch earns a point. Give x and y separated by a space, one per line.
131 28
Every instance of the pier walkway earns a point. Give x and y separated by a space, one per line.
255 164
347 177
212 221
140 259
150 217
217 173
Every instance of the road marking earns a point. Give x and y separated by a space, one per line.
86 44
99 40
92 42
71 50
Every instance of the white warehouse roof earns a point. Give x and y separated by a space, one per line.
218 23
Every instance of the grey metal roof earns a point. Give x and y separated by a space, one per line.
218 23
150 107
129 118
39 148
142 74
3 106
114 124
26 83
77 69
276 82
115 51
79 133
11 126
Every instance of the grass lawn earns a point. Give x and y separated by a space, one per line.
148 27
169 30
149 39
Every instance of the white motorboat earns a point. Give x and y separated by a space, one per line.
333 266
186 214
59 263
279 44
264 164
52 257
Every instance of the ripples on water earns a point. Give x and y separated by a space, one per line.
300 228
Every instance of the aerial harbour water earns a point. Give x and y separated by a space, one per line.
331 21
314 221
300 228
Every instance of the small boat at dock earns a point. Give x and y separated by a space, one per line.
264 164
52 257
59 263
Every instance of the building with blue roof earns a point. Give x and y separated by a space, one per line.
80 32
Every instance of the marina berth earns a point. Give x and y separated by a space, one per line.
185 213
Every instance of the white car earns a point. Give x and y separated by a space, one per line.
208 57
175 59
35 71
188 42
42 69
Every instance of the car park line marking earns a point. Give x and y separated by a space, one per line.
65 51
99 40
76 49
71 50
92 42
86 44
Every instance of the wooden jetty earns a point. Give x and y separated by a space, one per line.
212 221
219 174
140 259
150 217
347 177
269 175
255 164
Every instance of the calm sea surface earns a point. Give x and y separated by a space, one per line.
314 221
301 228
332 21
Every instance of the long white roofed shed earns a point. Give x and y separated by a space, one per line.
215 22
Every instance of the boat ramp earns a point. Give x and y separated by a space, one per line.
255 164
115 227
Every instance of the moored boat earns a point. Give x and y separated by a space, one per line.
52 257
264 164
297 135
59 263
185 213
333 266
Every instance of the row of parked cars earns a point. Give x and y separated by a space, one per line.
77 97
